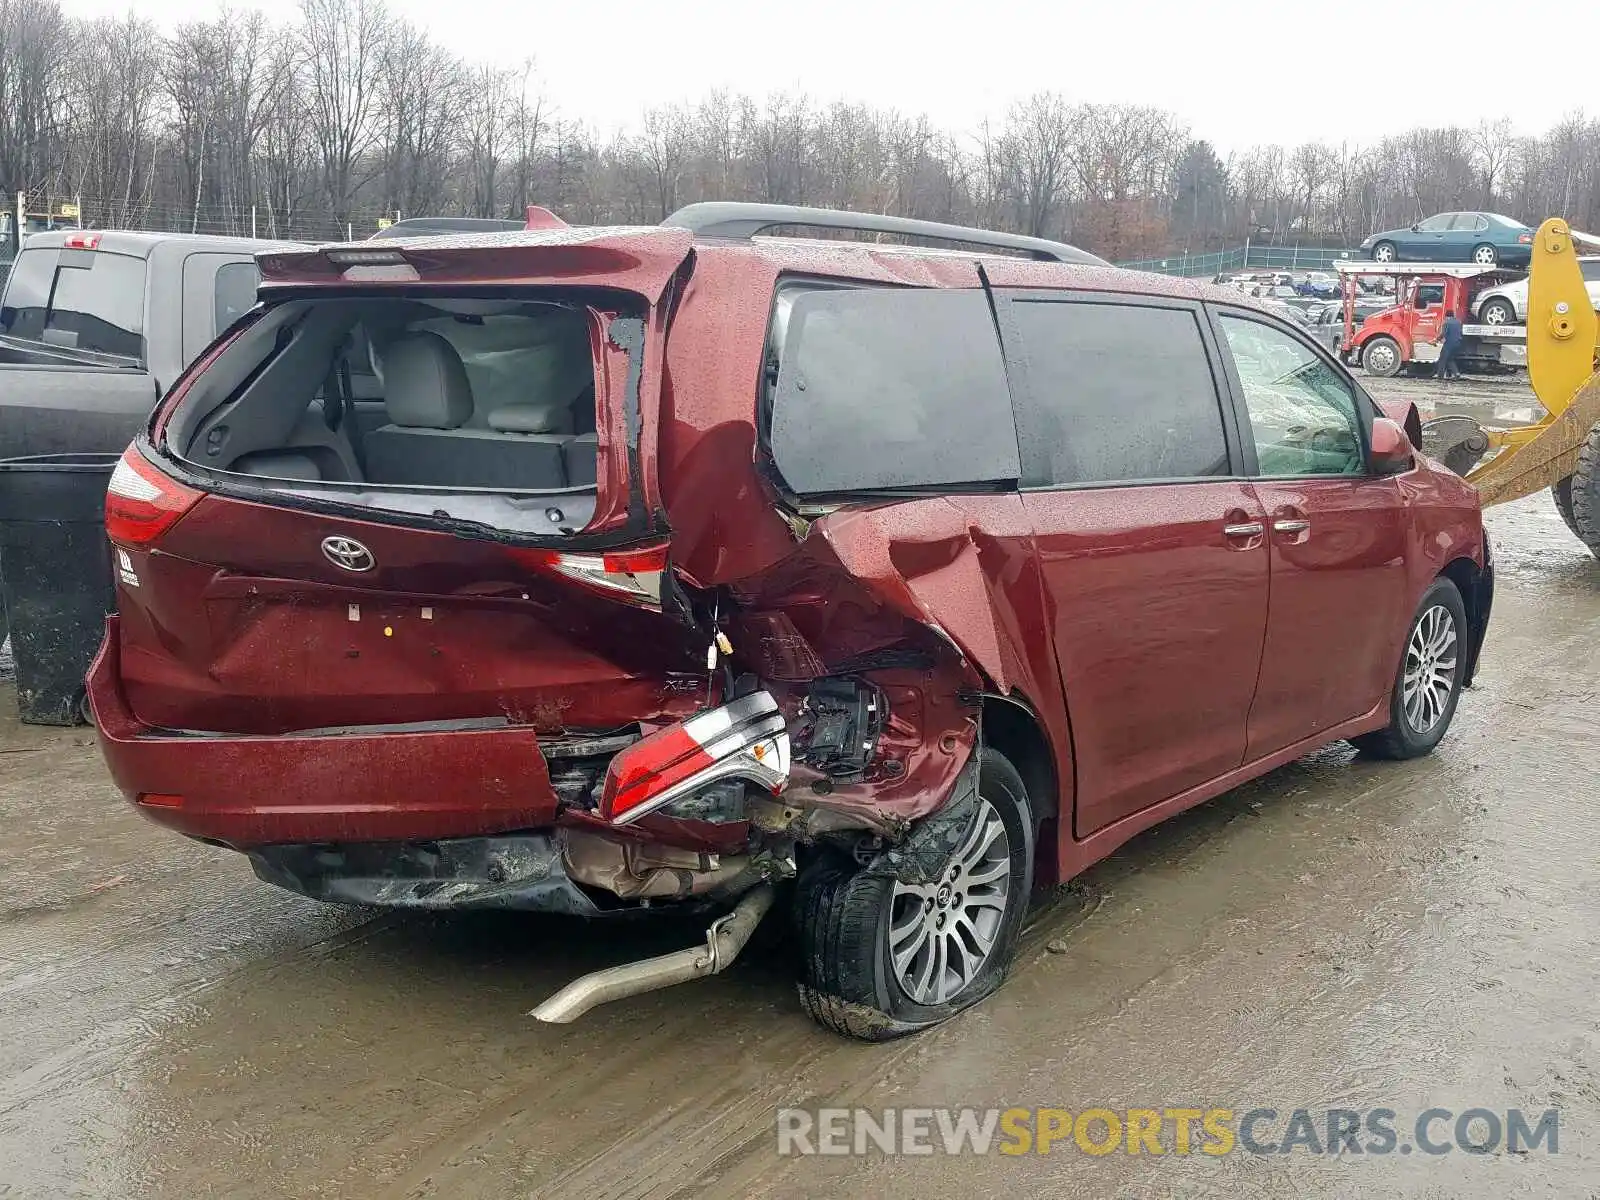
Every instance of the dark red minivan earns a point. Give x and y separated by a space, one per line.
593 570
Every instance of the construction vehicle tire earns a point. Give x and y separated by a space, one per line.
1561 493
1585 492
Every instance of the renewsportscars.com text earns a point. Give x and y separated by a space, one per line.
1181 1131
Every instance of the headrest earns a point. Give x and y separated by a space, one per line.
531 418
424 384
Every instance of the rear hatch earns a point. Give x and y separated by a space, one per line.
412 491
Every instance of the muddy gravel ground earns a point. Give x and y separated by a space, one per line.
1342 933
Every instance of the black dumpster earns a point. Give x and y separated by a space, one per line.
55 577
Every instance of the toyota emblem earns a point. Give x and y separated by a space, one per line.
347 554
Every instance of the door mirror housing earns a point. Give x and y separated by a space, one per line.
1392 452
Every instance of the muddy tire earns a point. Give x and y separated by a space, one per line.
1561 493
1583 488
1427 685
875 967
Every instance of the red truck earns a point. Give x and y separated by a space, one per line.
1410 332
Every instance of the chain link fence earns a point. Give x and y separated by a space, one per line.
1244 258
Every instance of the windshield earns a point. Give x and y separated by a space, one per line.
77 300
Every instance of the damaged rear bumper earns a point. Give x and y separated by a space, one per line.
376 785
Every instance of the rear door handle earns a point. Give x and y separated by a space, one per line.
1291 526
1248 529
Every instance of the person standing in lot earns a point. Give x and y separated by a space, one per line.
1446 367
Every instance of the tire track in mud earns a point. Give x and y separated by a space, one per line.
716 1135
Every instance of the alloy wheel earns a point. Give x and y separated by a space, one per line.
1430 672
942 933
1384 253
1484 256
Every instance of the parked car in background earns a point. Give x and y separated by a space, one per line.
1321 284
1487 239
95 326
1507 304
635 602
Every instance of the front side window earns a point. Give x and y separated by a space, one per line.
1303 416
881 388
1116 392
1436 224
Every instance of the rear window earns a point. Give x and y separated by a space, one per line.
890 388
78 300
1116 392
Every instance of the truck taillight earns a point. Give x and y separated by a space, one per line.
81 241
142 503
627 574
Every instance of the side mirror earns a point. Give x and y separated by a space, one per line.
1417 228
1392 452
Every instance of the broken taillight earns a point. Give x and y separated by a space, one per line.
142 502
633 575
746 739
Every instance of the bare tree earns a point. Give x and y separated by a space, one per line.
344 43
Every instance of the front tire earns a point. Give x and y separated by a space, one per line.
1561 493
1427 686
1384 252
1583 491
884 958
1381 356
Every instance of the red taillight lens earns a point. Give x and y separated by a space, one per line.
142 503
81 241
1525 239
633 575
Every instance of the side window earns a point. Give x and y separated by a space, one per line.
1590 269
1115 392
1302 414
1436 224
890 388
236 292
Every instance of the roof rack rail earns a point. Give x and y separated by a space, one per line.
734 219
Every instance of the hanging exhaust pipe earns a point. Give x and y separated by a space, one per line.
724 940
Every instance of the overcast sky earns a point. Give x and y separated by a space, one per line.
1239 72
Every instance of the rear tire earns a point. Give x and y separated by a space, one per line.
1427 685
1584 489
1498 312
1485 255
1381 356
854 923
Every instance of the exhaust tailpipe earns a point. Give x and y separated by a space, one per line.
724 940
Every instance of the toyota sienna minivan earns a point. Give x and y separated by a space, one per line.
590 570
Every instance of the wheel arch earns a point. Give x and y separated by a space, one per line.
1012 727
1477 590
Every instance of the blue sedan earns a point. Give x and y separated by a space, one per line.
1487 239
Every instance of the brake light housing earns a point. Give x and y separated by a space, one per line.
81 241
632 575
143 502
745 739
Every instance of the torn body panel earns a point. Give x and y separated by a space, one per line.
926 602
